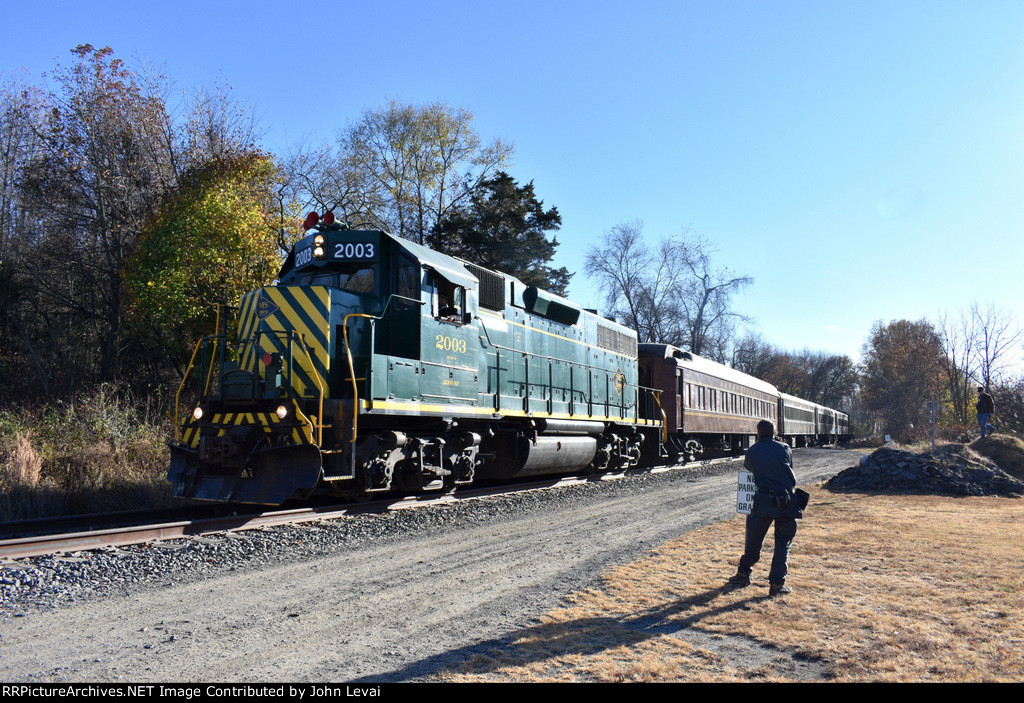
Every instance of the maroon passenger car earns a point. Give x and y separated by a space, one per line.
707 406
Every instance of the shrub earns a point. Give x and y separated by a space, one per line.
106 451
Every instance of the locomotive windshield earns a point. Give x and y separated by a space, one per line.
354 278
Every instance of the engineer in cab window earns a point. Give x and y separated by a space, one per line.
448 310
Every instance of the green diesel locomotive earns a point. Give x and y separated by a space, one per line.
375 364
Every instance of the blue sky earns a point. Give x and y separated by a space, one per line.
862 161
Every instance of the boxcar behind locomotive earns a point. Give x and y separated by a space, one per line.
377 364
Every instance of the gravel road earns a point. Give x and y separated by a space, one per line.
371 598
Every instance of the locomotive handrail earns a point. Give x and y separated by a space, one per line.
447 366
177 396
320 387
391 297
188 369
218 334
352 368
550 358
218 342
656 394
590 395
348 352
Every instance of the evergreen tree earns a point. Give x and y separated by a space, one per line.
504 228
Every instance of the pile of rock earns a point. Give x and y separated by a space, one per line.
950 470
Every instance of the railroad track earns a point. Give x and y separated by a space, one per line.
50 536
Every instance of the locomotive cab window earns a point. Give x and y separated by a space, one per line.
406 282
449 301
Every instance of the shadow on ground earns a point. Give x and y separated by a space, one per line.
591 636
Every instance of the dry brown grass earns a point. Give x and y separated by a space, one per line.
886 588
102 453
1006 451
26 465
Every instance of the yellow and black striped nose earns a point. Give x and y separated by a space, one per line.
268 319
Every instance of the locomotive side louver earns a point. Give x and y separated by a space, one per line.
492 288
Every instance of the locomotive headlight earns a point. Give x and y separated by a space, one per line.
197 413
282 411
319 242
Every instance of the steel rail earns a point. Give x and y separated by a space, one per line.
40 545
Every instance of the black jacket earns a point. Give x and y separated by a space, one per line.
771 463
985 403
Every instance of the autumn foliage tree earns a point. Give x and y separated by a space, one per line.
84 165
212 240
903 370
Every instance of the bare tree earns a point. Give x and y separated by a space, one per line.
671 293
21 116
707 301
217 126
832 378
828 379
639 283
93 183
324 180
399 167
958 335
753 355
997 334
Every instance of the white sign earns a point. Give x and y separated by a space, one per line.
745 490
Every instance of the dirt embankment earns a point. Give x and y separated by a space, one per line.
986 467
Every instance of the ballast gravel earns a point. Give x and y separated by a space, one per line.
50 581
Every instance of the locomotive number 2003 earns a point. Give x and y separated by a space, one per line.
354 250
451 344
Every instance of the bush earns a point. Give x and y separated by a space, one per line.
104 452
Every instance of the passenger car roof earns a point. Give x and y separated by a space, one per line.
707 366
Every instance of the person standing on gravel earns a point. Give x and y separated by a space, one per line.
986 407
775 501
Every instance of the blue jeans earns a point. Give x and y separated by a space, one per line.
983 423
757 528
